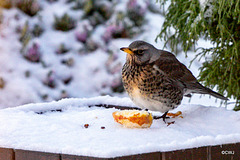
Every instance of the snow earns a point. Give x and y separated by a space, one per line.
64 132
207 7
205 121
93 73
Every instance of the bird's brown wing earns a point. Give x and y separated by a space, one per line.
168 64
172 68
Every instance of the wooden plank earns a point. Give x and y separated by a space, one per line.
150 156
187 154
199 153
73 157
144 156
34 155
177 155
6 154
226 152
223 152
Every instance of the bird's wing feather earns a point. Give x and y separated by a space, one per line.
168 64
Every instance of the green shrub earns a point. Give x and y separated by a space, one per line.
64 23
29 7
217 21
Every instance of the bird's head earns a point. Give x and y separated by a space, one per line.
140 52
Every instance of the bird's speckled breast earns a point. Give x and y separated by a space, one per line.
137 82
148 88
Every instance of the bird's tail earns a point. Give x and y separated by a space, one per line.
215 94
198 88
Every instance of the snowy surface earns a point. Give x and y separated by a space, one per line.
64 132
93 73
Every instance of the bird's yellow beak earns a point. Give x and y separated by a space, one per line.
127 50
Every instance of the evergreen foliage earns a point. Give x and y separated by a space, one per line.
217 21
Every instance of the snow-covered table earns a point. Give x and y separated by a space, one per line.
60 127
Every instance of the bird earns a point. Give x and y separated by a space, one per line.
156 80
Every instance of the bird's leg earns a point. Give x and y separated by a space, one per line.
164 117
172 115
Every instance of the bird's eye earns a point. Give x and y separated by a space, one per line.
138 52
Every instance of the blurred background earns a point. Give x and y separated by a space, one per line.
54 49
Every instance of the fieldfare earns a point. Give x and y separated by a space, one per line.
154 79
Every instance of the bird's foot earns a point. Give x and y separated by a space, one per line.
169 123
164 117
167 115
174 115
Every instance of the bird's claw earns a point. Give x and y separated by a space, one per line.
170 123
174 115
167 115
